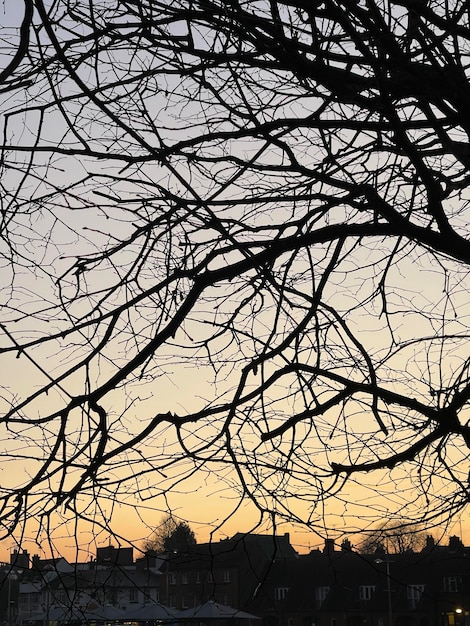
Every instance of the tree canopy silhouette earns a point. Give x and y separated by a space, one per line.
235 248
170 535
399 540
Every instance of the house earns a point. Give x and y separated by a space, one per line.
10 577
345 588
229 571
54 585
260 574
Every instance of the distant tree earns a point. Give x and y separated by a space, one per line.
234 249
170 536
394 539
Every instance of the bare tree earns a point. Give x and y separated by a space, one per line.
235 247
394 539
170 535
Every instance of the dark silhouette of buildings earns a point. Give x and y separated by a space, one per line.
260 574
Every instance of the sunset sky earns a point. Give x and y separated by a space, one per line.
205 306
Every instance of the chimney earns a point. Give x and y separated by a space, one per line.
19 560
329 546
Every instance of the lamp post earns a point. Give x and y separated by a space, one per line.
11 576
389 589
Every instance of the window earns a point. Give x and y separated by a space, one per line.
198 577
133 595
280 593
451 583
366 592
172 578
184 578
226 576
320 595
185 602
414 593
61 597
34 599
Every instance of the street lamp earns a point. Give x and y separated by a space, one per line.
11 576
389 589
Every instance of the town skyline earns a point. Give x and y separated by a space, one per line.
302 540
250 576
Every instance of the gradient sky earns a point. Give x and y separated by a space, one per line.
207 501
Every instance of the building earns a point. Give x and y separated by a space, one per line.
52 587
229 572
260 574
345 588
